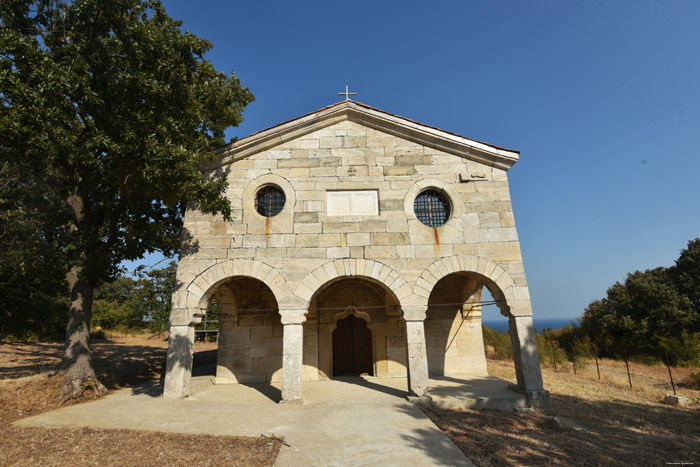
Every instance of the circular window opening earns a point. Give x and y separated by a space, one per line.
432 207
269 200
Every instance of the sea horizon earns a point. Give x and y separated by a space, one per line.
501 325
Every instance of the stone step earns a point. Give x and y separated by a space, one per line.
508 403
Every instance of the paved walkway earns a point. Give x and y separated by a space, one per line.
342 422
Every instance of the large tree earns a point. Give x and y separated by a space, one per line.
110 108
652 311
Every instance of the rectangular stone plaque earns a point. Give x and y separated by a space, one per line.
352 203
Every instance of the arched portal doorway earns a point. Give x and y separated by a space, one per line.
354 327
352 347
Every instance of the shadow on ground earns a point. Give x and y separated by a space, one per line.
614 432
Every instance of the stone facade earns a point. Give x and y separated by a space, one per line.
284 284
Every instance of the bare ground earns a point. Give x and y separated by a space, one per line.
605 423
27 389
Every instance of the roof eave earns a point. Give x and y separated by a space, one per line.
374 118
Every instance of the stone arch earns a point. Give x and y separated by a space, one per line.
512 300
351 310
202 287
352 267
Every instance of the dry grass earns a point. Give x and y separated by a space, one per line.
606 423
26 389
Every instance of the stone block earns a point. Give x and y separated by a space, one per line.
323 171
279 154
308 144
305 217
390 238
358 239
257 353
302 173
354 142
330 142
352 171
330 161
311 228
391 204
306 240
357 252
295 163
382 252
329 240
338 252
399 170
415 159
381 140
673 399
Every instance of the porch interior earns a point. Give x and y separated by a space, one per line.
465 391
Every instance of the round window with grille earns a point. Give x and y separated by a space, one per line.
432 207
269 200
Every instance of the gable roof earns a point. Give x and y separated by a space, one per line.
371 117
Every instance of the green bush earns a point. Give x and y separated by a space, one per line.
693 380
549 350
499 342
99 334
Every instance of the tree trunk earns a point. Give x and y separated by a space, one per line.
76 365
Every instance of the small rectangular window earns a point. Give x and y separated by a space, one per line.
352 203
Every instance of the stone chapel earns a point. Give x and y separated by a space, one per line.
360 243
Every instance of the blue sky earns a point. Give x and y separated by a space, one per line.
601 98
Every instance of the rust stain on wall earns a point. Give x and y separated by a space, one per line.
436 247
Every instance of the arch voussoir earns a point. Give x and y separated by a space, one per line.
465 263
351 267
200 288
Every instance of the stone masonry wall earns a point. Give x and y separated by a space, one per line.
350 156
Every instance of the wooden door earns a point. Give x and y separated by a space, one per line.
352 347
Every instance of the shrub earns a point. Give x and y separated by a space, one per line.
499 342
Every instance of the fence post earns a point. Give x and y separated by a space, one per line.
596 366
668 365
554 356
573 361
629 377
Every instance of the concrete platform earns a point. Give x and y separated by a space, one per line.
463 392
475 392
342 422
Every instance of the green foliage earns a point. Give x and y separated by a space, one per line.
107 112
686 273
652 312
499 342
113 107
126 303
683 350
32 262
549 349
693 380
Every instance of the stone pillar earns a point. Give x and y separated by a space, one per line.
416 355
178 369
292 355
527 360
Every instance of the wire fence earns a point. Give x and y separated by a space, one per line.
636 375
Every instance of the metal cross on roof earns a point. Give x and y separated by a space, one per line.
347 94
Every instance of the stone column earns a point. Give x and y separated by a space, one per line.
178 372
416 355
292 355
527 360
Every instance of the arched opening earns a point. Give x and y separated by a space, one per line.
454 337
250 331
354 327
